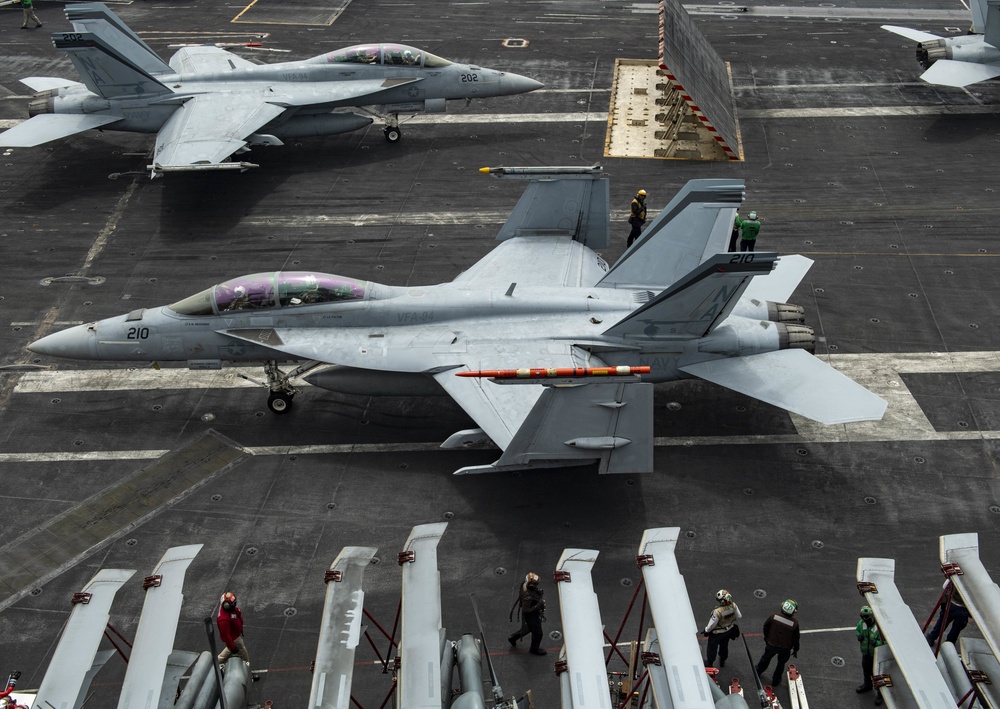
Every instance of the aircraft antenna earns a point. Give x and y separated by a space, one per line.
497 689
760 684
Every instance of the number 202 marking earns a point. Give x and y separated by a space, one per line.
741 258
466 78
72 37
137 333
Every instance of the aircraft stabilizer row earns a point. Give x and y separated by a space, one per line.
208 104
910 673
674 303
425 664
423 673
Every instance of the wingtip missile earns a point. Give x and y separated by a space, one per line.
543 171
550 372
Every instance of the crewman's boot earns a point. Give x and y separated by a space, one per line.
512 639
538 651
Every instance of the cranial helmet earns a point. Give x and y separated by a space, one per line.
228 600
240 291
866 612
723 596
788 607
640 193
532 577
752 215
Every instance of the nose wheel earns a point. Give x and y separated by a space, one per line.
280 402
392 134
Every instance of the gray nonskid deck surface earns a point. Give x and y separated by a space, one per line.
887 183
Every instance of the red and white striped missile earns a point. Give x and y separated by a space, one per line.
547 372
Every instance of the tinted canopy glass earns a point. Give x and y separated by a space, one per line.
262 291
388 54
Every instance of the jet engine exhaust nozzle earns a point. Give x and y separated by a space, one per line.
41 105
797 337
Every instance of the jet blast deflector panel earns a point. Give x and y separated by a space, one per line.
699 75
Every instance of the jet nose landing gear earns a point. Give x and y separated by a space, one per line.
392 134
280 402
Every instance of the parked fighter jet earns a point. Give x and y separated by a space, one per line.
960 61
551 351
209 104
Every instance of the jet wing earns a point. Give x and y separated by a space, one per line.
44 83
208 128
206 60
547 423
796 381
583 632
915 35
537 260
51 126
948 72
500 409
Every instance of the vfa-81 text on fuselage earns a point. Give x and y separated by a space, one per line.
552 352
208 104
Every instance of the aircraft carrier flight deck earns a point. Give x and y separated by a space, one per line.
888 183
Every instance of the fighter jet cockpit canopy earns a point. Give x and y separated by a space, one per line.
387 54
264 291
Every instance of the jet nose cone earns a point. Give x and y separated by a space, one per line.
517 84
74 343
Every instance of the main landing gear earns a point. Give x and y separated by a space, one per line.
390 125
279 401
392 132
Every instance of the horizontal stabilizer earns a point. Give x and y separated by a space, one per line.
421 635
154 638
69 673
948 72
695 304
795 381
340 631
583 631
778 285
45 83
680 655
915 35
51 126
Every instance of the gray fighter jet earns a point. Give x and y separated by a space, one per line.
208 104
964 60
549 350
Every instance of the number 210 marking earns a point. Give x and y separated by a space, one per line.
137 333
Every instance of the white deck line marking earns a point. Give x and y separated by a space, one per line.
904 419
